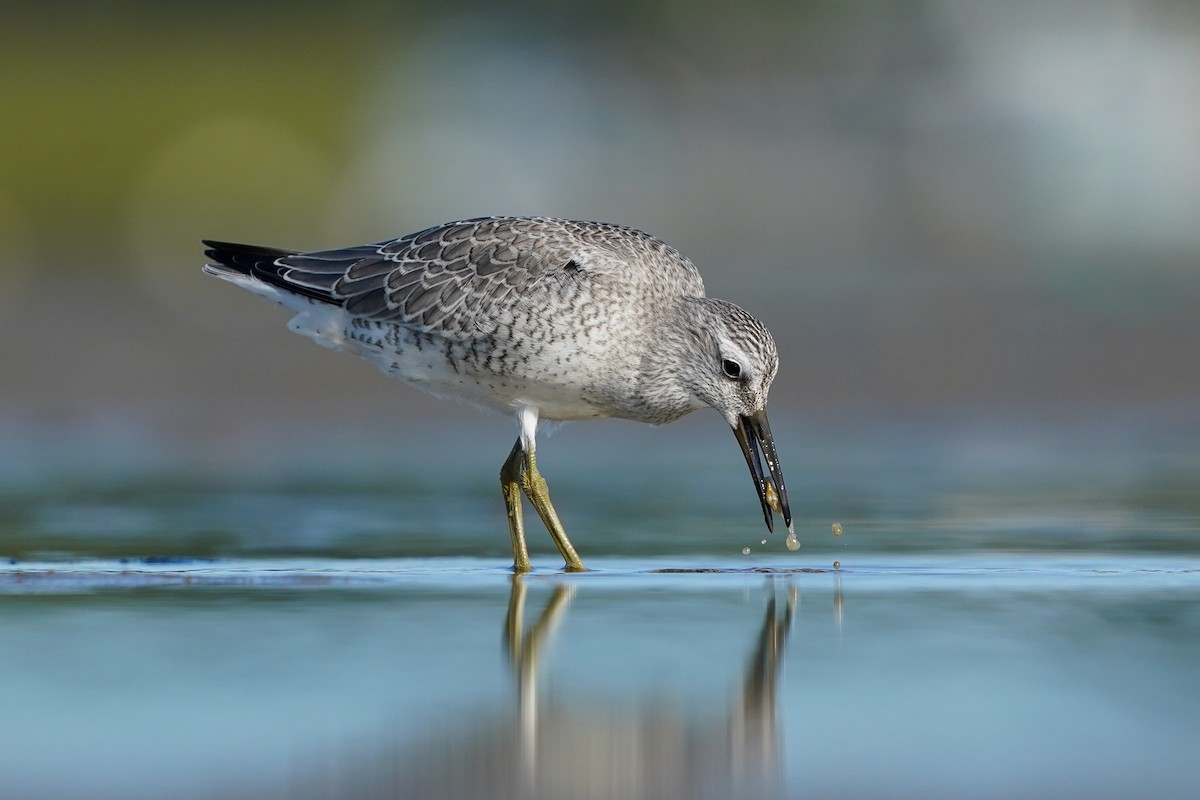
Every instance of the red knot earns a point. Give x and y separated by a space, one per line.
547 319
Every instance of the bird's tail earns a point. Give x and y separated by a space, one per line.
242 259
263 271
257 269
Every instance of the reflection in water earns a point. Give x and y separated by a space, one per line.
839 610
560 744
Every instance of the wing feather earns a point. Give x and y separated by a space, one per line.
464 276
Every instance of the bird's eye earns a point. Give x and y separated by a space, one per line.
732 369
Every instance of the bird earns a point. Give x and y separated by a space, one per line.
544 318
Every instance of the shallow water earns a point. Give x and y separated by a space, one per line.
1074 676
1004 622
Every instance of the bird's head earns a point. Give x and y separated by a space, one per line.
734 361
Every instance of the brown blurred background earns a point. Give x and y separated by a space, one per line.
938 207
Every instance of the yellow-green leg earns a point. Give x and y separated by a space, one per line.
536 490
510 484
520 473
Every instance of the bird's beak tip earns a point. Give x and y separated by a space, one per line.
754 436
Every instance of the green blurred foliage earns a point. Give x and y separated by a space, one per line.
91 91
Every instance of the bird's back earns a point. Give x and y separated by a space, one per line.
461 277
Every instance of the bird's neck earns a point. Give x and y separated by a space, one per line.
663 387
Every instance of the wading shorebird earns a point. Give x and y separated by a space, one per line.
548 319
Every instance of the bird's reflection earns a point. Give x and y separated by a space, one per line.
646 752
568 745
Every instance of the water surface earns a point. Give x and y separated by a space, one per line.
1003 622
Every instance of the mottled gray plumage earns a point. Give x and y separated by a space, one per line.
550 318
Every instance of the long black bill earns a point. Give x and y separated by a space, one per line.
754 435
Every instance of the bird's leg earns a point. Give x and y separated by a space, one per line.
520 473
535 489
510 483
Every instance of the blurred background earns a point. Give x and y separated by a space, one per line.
974 213
973 227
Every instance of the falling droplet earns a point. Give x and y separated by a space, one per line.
837 529
764 541
792 542
745 551
837 565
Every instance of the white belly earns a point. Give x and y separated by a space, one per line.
430 364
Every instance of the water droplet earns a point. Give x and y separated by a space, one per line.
837 565
837 529
792 542
745 551
764 541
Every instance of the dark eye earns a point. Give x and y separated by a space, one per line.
732 369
